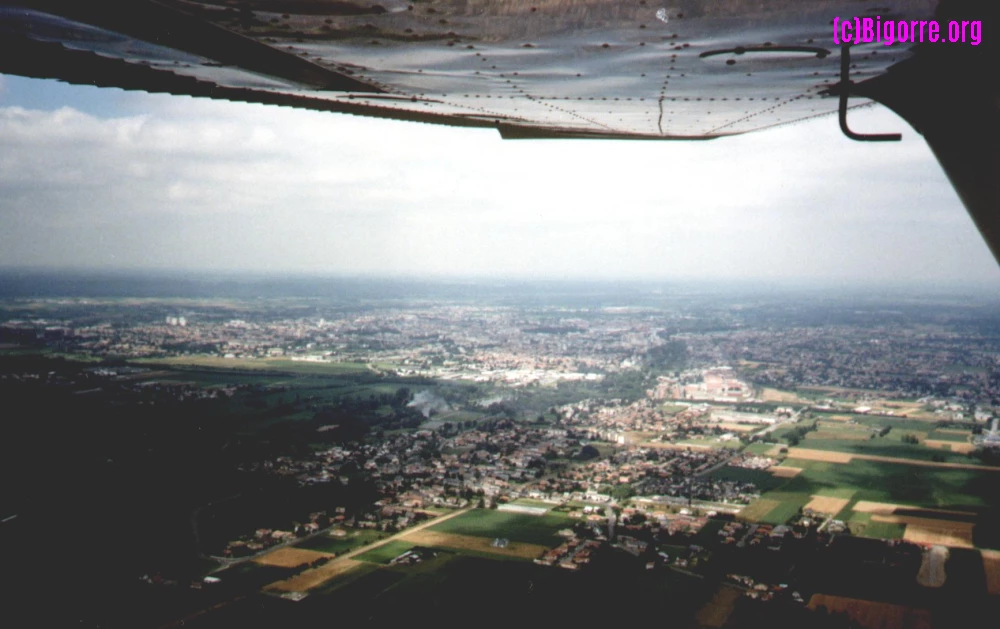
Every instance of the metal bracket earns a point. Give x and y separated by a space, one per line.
845 92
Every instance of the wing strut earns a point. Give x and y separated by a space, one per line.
845 92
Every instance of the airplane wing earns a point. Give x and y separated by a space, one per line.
685 69
627 69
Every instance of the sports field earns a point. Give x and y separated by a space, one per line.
328 543
484 545
290 557
386 552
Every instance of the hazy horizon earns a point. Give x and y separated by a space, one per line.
40 283
104 180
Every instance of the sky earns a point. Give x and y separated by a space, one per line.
109 180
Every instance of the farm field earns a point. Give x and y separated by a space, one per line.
931 531
827 504
945 434
709 444
759 509
845 452
470 586
839 430
261 364
681 445
762 448
991 565
784 471
737 427
775 395
943 505
764 479
863 525
517 527
874 615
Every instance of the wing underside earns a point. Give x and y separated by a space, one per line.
532 68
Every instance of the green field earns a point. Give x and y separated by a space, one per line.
673 409
452 586
528 502
386 552
950 436
958 489
861 524
258 364
841 430
516 527
733 444
340 545
763 479
889 448
761 448
899 425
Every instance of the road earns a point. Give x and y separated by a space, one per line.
399 536
341 558
791 420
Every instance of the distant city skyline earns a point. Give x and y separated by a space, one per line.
107 180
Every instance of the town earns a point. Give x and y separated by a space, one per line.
685 439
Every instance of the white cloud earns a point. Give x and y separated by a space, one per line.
200 184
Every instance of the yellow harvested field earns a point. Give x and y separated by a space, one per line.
886 508
951 535
954 431
825 504
867 506
317 576
782 471
471 542
954 466
873 615
838 418
930 531
820 455
738 427
954 446
774 395
675 446
991 564
775 451
716 612
758 509
290 557
843 457
853 436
